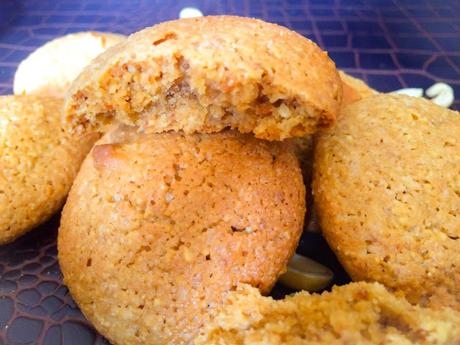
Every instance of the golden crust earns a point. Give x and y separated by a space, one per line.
38 162
158 226
51 69
357 313
354 89
361 88
205 74
387 190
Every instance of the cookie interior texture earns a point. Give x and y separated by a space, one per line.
51 69
387 190
206 74
38 161
357 313
158 226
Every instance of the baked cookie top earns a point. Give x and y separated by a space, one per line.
38 161
158 226
357 313
49 70
354 89
387 190
205 74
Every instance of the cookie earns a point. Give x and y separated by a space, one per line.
38 162
357 313
50 69
158 226
205 74
354 89
387 191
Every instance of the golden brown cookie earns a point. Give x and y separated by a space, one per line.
387 190
50 69
205 74
357 313
354 89
158 226
38 162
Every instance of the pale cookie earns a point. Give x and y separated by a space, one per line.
205 74
38 162
357 313
387 191
158 226
51 68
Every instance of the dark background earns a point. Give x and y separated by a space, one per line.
389 44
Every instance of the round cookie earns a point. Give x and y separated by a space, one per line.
38 162
50 69
387 191
356 313
205 74
158 226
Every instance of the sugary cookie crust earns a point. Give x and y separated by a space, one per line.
158 226
387 190
38 161
206 74
354 89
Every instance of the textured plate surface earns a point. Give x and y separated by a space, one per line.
389 44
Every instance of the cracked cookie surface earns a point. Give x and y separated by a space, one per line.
158 226
357 313
206 74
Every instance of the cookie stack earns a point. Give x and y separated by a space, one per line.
189 206
191 192
194 196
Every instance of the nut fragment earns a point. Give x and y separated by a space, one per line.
414 92
305 274
441 94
